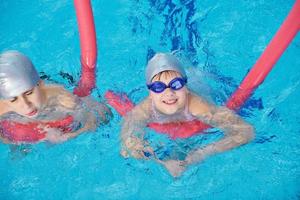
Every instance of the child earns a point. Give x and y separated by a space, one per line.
31 111
171 101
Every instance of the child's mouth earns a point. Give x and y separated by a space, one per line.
170 102
32 113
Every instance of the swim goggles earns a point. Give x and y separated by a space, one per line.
175 84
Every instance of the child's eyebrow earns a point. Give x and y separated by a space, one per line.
13 99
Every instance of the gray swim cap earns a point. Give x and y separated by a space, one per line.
163 62
17 74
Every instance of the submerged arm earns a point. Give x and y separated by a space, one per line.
90 116
88 126
132 133
69 101
236 131
101 111
85 110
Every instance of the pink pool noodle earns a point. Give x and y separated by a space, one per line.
88 47
267 60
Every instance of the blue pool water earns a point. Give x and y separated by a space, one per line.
219 40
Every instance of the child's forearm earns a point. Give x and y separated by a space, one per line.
131 129
136 120
101 110
91 124
134 124
88 126
236 131
132 138
230 141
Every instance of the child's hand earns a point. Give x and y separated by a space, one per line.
104 113
54 135
175 167
67 100
195 157
136 148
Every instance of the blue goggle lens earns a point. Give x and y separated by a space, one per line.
175 84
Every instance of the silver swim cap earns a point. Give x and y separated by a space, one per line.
17 74
163 62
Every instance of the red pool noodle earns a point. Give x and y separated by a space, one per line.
254 78
267 60
31 131
88 47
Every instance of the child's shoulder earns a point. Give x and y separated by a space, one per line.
144 104
142 109
52 90
198 105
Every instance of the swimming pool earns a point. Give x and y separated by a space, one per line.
221 40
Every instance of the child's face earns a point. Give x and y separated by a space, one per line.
169 101
28 103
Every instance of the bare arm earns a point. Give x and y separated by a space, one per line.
135 121
236 130
101 111
98 114
68 100
132 133
91 114
59 137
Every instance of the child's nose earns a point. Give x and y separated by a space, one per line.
169 91
26 102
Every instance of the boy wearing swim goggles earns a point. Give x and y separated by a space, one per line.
26 100
170 100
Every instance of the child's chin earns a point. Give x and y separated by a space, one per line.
169 111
